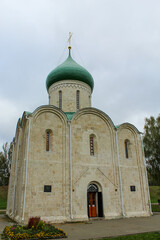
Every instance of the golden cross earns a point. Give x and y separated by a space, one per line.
69 40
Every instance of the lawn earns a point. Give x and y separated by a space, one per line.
154 193
155 208
3 197
140 236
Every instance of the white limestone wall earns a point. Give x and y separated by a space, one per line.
21 171
100 169
136 203
13 175
69 88
11 186
54 167
46 167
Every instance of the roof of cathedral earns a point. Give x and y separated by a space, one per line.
69 115
69 70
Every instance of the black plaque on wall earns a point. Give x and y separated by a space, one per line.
47 188
133 188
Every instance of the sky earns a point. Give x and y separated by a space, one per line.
117 41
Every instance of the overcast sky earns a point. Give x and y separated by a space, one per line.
117 41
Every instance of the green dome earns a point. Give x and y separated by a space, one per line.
69 70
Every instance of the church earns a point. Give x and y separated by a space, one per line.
70 162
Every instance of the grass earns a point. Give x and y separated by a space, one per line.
155 208
140 236
154 193
3 197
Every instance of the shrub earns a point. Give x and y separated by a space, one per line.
41 225
33 222
41 231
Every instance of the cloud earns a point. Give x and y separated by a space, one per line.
116 41
10 113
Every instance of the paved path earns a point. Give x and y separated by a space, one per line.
4 221
103 228
108 228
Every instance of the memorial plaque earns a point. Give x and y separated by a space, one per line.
47 188
133 188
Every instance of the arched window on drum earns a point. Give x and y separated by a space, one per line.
77 99
60 99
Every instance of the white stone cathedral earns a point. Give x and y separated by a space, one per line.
70 162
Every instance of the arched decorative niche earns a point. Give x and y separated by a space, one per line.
92 188
97 184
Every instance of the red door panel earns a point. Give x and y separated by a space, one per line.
92 205
94 212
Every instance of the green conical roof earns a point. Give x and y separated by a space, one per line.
69 70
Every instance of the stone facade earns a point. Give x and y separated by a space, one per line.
69 92
70 166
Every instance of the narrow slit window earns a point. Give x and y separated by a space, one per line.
91 146
77 99
60 99
47 140
126 148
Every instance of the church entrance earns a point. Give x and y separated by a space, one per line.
92 204
94 197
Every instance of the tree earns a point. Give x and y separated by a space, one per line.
5 163
152 148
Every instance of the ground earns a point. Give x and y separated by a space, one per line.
103 228
100 228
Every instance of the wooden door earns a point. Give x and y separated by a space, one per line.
92 204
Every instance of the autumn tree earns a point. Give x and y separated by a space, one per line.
152 148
